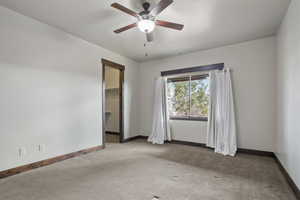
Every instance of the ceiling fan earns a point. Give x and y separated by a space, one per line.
146 20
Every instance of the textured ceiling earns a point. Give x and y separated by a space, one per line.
208 23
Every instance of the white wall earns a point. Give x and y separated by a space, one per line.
253 65
288 82
190 131
50 87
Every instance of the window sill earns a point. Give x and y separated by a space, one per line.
202 119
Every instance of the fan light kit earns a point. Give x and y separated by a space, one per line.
146 25
146 20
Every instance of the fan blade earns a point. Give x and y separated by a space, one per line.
124 9
125 28
160 7
149 37
169 25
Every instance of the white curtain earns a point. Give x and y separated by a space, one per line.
221 133
160 124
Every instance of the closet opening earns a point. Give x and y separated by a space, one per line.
112 102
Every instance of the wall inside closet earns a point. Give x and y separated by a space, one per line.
112 100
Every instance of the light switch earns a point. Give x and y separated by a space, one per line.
41 148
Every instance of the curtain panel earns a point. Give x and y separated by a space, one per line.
221 132
160 124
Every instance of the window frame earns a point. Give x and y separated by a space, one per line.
188 77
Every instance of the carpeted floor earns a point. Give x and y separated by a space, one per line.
140 171
110 138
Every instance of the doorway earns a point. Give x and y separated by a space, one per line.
112 102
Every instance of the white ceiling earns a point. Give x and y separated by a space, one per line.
208 23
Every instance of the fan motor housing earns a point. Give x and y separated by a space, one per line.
146 16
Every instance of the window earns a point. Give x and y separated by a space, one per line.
188 97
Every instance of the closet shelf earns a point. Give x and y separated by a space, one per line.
111 89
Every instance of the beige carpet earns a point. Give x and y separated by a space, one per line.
110 138
140 171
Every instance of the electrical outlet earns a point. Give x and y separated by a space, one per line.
22 151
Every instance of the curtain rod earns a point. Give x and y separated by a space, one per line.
218 66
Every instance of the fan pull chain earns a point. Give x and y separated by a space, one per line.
145 45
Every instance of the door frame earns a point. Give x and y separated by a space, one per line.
121 105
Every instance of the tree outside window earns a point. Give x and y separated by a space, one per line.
188 97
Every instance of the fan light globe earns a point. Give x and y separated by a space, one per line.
146 25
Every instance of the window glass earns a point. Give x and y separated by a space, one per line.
178 97
199 97
188 97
